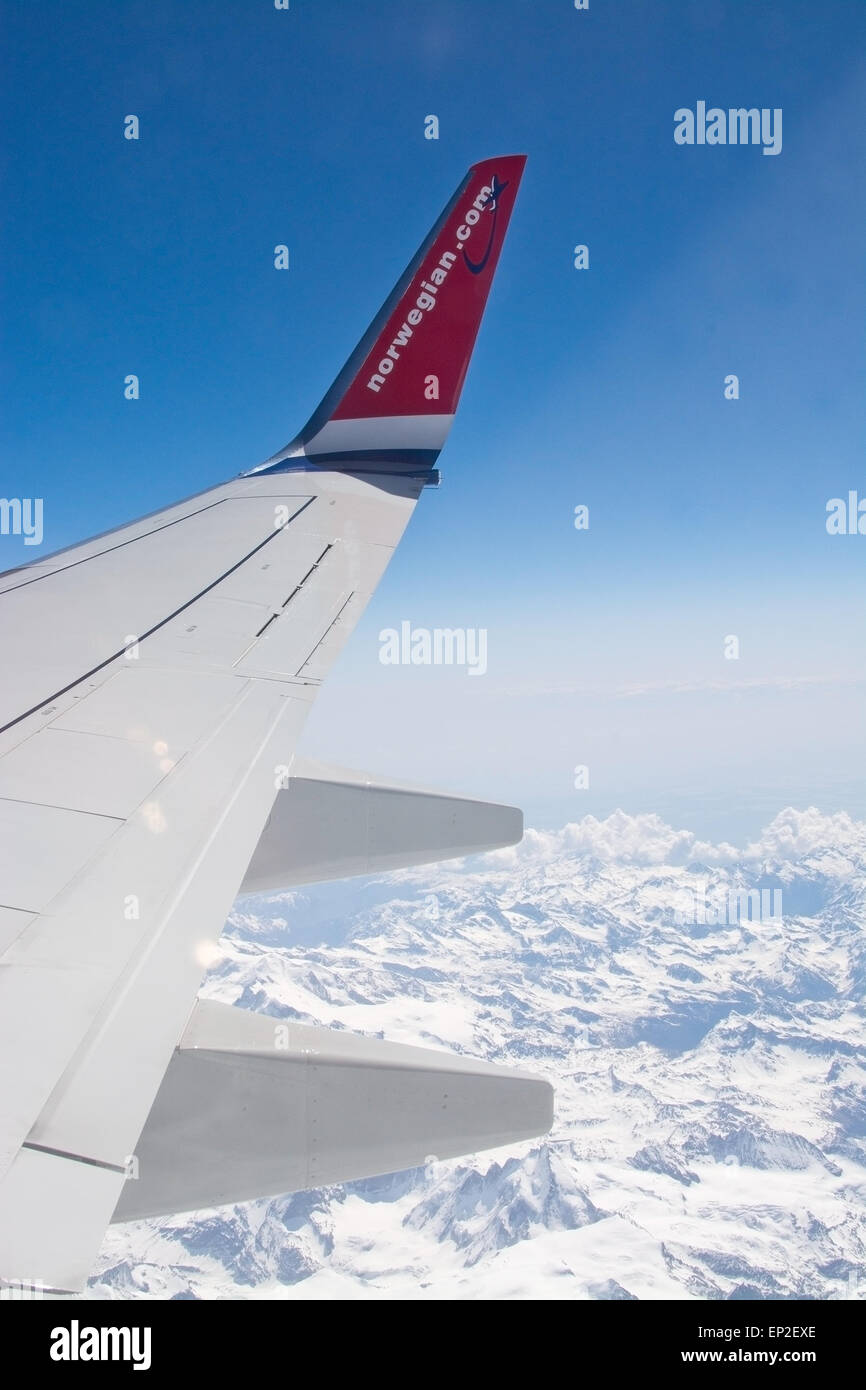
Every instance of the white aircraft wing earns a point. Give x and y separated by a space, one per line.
156 680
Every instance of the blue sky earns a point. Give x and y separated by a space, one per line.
603 386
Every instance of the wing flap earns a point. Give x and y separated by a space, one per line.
251 1106
332 823
56 1209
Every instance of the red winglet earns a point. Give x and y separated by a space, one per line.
393 402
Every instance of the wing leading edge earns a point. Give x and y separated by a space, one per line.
158 681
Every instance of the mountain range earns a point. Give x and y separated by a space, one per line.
707 1053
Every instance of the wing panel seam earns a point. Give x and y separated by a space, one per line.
94 670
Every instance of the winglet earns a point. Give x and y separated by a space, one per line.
392 405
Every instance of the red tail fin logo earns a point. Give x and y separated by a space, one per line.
491 204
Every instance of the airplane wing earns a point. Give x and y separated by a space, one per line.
156 681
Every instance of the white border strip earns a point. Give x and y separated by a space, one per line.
381 432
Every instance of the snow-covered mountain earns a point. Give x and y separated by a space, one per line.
710 1139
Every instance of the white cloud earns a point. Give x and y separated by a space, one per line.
791 837
620 838
795 835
